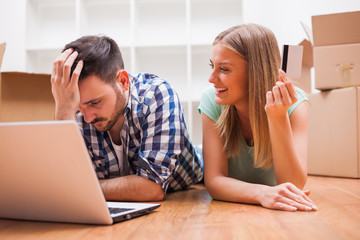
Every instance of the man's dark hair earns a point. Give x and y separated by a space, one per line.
101 56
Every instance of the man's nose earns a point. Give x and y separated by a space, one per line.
89 115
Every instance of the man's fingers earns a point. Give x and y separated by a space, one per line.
67 66
57 73
54 74
64 55
76 73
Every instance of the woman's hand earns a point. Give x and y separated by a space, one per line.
65 89
286 197
282 96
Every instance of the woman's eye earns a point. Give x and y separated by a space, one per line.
211 65
224 69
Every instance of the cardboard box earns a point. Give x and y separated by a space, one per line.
334 133
337 66
333 29
25 96
336 54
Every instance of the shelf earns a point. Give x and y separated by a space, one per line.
160 22
168 63
50 23
210 17
200 69
126 55
108 17
41 61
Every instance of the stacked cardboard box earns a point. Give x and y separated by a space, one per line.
25 96
334 118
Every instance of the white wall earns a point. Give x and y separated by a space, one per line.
12 31
283 16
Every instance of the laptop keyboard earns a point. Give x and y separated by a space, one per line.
119 210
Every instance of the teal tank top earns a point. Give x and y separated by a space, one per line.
241 166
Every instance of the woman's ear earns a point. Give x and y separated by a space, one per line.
122 78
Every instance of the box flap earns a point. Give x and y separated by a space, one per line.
308 32
307 53
333 29
26 97
2 51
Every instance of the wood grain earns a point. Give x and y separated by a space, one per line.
192 214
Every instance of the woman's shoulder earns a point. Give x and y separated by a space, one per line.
301 96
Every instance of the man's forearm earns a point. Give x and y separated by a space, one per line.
131 188
64 114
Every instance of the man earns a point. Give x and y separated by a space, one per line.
133 127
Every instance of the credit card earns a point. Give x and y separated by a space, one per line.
292 60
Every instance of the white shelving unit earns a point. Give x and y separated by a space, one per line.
171 38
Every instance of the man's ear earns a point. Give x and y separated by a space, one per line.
122 78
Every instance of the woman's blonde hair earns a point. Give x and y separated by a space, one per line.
260 50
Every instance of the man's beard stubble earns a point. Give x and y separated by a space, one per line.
117 113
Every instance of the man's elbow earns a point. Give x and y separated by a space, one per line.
155 192
158 195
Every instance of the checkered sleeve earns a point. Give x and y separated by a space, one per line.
162 140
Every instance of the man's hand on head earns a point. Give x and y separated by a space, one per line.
65 89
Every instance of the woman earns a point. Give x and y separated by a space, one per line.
254 124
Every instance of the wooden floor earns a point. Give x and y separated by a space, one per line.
192 214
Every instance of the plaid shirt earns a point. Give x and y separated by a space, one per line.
154 137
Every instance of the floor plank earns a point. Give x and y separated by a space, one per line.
193 214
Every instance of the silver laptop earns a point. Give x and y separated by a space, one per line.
46 174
